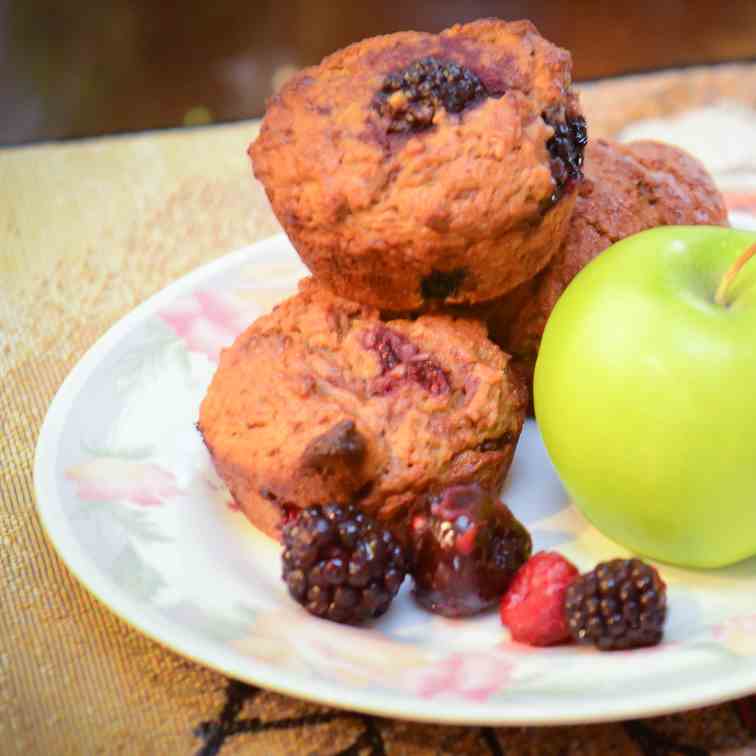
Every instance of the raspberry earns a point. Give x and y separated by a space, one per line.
620 604
466 547
341 564
402 361
533 607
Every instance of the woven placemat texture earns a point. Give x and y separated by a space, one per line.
87 231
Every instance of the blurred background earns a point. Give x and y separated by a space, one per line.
83 68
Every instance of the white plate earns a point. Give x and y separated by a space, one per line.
128 496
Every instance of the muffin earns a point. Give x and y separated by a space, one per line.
323 401
627 189
416 168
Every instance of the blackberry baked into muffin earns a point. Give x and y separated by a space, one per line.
322 401
628 188
416 168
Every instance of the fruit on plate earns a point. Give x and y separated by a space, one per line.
533 606
465 548
621 604
341 564
645 393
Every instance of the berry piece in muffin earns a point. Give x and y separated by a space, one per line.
323 401
628 188
566 148
416 169
409 99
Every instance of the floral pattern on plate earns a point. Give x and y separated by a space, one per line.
738 634
109 478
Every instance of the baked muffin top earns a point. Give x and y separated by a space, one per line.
321 400
410 150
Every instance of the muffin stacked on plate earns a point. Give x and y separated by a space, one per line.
322 400
429 183
627 189
417 168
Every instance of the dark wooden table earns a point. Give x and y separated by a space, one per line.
82 68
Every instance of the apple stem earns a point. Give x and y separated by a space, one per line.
729 277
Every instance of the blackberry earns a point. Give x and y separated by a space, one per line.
340 564
566 147
409 98
620 604
466 547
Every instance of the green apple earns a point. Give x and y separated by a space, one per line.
645 393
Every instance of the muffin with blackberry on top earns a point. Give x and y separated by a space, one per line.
414 168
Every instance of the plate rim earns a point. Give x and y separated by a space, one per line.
148 621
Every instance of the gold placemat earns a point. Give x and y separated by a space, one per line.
88 230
